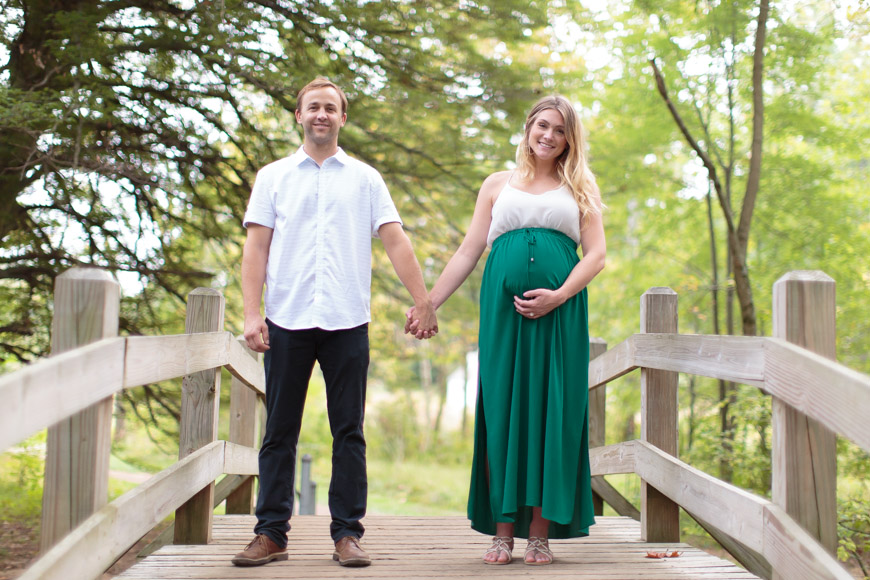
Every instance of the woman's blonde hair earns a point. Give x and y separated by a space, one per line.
571 165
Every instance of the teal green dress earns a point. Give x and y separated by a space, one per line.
531 444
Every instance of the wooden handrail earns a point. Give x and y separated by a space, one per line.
246 368
93 546
730 358
151 359
614 363
758 523
51 389
99 541
54 388
829 392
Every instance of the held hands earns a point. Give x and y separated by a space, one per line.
420 320
537 303
256 333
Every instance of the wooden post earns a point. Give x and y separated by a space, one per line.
86 305
660 517
597 398
200 397
804 478
243 430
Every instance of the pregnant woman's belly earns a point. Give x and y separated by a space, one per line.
532 258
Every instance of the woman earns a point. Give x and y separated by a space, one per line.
530 475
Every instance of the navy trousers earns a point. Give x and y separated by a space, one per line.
344 359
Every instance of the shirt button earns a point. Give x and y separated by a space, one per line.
532 260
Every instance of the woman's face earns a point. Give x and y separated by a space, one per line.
547 139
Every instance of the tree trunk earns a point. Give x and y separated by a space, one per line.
33 69
753 181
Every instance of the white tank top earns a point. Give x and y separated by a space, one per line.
515 209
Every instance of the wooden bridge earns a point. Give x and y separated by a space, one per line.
792 536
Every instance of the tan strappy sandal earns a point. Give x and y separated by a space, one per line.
500 544
538 546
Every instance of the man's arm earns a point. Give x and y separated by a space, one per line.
254 259
401 254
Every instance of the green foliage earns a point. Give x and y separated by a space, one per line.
810 214
854 530
120 160
132 135
23 468
146 445
130 138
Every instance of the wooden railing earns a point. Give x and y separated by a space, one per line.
71 392
793 535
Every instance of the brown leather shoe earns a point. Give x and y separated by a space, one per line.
348 552
261 550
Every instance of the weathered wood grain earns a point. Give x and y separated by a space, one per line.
612 459
659 516
240 460
151 359
222 491
76 484
750 559
200 398
794 553
829 392
612 364
612 497
102 538
433 548
54 388
246 367
731 358
597 417
243 426
759 524
736 512
804 458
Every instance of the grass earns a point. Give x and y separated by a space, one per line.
412 488
118 464
404 488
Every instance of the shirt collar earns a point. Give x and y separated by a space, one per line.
300 155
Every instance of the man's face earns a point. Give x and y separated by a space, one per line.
320 115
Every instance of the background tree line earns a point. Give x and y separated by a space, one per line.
729 139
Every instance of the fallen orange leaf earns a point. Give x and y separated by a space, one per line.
665 554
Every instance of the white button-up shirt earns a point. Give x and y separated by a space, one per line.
323 218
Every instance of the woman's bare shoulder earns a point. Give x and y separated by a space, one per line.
493 184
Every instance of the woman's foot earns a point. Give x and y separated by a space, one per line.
538 552
500 551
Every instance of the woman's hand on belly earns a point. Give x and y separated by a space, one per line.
538 302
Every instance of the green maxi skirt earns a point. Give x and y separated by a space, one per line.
531 444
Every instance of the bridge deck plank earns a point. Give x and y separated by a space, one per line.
430 548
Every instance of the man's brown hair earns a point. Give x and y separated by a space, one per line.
322 83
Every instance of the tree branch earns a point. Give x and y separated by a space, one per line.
696 147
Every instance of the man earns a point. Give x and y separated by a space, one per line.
310 221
